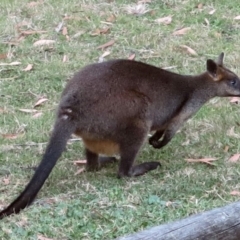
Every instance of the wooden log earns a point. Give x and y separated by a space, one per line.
218 224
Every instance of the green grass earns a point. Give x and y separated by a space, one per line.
98 205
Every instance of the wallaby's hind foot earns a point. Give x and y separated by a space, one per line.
104 161
143 168
140 169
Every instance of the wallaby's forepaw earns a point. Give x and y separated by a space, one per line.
155 143
151 140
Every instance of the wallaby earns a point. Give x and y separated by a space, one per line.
113 106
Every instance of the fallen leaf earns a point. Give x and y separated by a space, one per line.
132 56
129 206
2 110
79 171
168 203
1 205
152 12
165 20
206 21
12 135
100 31
137 9
50 201
235 100
40 102
144 1
34 4
212 11
232 133
235 193
28 68
23 222
40 237
26 33
105 45
6 181
200 6
27 110
3 55
37 115
13 43
226 149
96 32
181 31
111 18
202 160
106 53
78 34
20 38
10 64
234 158
237 17
101 58
186 143
6 230
65 58
23 23
43 42
64 31
189 50
80 162
59 27
72 18
169 67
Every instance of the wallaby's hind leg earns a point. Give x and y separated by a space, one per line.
92 160
128 152
106 160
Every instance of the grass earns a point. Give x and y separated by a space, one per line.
98 205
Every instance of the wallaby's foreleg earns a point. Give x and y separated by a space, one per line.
168 135
186 112
128 152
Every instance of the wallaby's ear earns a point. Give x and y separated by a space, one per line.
220 59
212 69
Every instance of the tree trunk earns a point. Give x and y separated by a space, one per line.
218 224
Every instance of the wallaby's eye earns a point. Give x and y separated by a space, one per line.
233 81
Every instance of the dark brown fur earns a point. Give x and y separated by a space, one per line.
113 106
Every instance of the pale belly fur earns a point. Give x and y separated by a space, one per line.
105 147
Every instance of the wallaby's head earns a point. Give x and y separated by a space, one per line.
228 83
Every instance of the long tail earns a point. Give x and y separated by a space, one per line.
61 133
